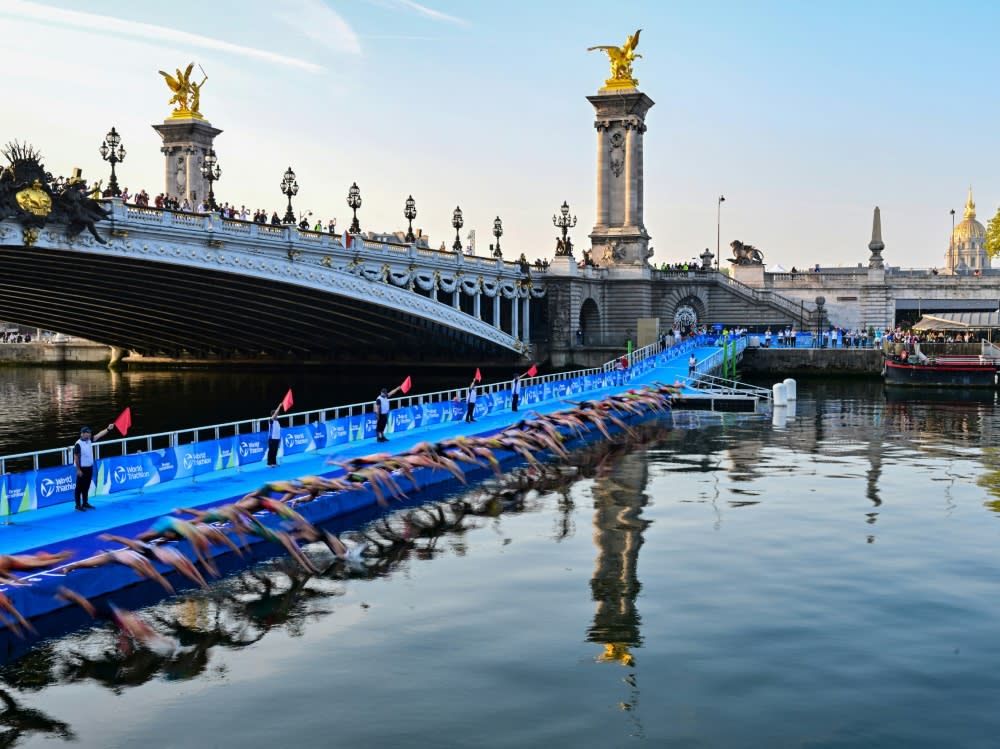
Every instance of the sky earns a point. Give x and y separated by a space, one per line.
804 115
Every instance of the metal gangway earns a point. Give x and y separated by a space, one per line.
724 394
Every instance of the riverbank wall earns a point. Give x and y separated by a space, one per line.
68 353
811 361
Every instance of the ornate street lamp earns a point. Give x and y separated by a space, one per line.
456 221
289 187
410 213
113 152
497 232
565 222
354 202
211 171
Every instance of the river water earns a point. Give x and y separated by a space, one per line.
719 582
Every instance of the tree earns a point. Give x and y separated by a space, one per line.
993 236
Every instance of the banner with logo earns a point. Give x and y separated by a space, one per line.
251 448
338 431
318 434
401 420
431 413
18 492
296 440
130 472
195 458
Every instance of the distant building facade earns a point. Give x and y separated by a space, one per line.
967 249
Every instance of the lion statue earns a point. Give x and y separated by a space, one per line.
745 254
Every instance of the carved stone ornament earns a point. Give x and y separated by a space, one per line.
617 164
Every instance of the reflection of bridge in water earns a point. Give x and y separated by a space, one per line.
185 284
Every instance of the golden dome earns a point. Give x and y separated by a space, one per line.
969 228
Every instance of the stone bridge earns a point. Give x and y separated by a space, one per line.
192 285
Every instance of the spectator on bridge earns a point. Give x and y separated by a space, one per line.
273 439
244 213
186 206
83 459
331 226
142 199
158 201
319 226
304 224
126 196
275 221
470 400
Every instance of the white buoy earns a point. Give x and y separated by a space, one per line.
790 387
791 410
779 417
780 391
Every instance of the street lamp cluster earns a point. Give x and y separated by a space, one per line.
211 171
113 152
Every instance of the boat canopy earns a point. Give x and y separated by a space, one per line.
959 321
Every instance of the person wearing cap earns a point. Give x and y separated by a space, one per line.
382 409
83 459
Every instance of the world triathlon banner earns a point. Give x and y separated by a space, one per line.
31 490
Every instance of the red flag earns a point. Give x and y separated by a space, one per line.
532 370
347 239
478 377
407 384
287 402
124 421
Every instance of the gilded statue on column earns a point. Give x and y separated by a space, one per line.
621 62
187 93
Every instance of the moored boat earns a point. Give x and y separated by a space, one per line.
942 371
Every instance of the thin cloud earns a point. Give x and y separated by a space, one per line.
317 21
431 13
94 22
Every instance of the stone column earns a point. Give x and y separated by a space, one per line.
456 300
602 169
496 310
526 319
514 322
619 242
477 304
631 178
189 140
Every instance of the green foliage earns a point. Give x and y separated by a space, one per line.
993 236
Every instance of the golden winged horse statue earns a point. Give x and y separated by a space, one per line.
187 93
621 61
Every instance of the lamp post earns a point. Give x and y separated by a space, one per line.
289 187
456 221
410 213
497 232
952 243
211 171
354 202
565 222
718 229
113 152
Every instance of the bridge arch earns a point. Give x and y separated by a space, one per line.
590 322
685 307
